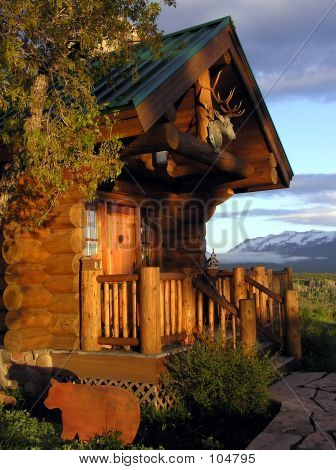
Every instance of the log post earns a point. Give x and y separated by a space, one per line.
292 325
260 276
91 304
239 286
248 325
289 278
150 323
189 317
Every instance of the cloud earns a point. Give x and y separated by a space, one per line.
311 200
315 188
310 217
272 35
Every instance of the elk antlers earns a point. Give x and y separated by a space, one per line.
224 105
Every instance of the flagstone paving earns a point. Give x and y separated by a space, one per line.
307 417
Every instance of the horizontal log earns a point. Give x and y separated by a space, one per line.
215 296
64 329
65 241
25 297
264 289
223 273
172 276
110 278
23 251
28 339
65 284
30 318
168 137
69 303
25 274
118 341
67 215
62 264
65 342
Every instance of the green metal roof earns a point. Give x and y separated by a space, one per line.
120 90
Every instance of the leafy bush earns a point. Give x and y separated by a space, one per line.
19 430
209 379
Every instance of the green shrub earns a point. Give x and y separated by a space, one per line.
19 431
209 379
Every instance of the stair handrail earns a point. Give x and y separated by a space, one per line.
213 294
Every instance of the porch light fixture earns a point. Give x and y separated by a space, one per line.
160 159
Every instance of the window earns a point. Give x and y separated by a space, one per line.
91 230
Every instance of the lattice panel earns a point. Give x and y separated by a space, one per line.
149 394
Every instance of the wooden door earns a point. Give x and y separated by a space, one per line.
122 239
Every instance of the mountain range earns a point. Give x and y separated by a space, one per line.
313 251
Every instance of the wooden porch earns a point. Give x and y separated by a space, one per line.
150 310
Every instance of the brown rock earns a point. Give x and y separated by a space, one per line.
291 422
317 441
327 405
328 383
273 441
89 410
322 395
325 420
300 379
298 404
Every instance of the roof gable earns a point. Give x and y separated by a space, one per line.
120 90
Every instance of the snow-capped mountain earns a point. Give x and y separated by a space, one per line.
313 251
286 242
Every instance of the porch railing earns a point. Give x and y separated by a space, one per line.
120 310
153 308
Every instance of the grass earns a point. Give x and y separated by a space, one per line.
318 320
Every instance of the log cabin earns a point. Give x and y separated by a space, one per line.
107 289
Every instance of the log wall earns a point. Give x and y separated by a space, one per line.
183 234
40 281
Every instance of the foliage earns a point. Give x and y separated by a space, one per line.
19 430
51 54
209 379
318 320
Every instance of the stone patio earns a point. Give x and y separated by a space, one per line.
307 418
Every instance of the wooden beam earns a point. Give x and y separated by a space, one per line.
215 296
203 105
168 137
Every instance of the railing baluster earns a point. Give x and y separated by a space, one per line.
167 312
211 319
179 307
134 308
106 310
162 317
115 309
124 310
173 305
200 311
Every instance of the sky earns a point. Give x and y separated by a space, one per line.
291 48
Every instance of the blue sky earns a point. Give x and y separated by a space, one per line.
294 40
